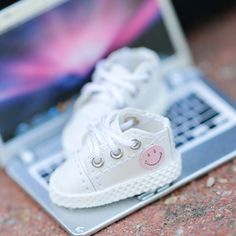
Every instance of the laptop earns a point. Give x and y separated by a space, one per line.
48 53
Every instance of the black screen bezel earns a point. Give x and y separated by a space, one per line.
6 3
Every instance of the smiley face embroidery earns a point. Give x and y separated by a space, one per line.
151 157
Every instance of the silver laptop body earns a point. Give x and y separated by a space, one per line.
204 126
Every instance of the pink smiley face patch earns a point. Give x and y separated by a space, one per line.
151 157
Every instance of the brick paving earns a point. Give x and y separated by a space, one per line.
206 206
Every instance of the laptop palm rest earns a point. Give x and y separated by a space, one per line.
87 221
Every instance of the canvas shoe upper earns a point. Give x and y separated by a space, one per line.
128 77
127 153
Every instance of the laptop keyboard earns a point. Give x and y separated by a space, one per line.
44 171
190 117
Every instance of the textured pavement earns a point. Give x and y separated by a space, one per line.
206 206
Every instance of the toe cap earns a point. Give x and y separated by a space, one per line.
70 179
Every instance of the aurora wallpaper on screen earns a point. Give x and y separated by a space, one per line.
49 58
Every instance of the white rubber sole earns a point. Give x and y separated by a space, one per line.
124 190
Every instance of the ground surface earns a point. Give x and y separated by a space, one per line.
206 206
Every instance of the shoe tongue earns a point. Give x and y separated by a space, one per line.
129 126
127 66
116 126
120 125
142 67
119 70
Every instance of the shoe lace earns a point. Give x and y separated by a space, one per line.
110 85
102 133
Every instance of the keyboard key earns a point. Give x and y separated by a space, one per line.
185 105
189 137
172 114
47 178
208 115
199 130
210 124
54 166
27 156
180 140
201 108
44 173
219 120
190 114
179 120
185 126
175 131
194 122
204 110
195 102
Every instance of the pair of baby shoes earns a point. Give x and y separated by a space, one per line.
114 152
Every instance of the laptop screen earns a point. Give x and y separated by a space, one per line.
48 59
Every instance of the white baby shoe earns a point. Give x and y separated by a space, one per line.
128 153
127 78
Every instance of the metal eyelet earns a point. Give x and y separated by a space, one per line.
137 144
133 118
116 155
97 164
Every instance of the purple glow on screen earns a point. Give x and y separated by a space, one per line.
40 55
